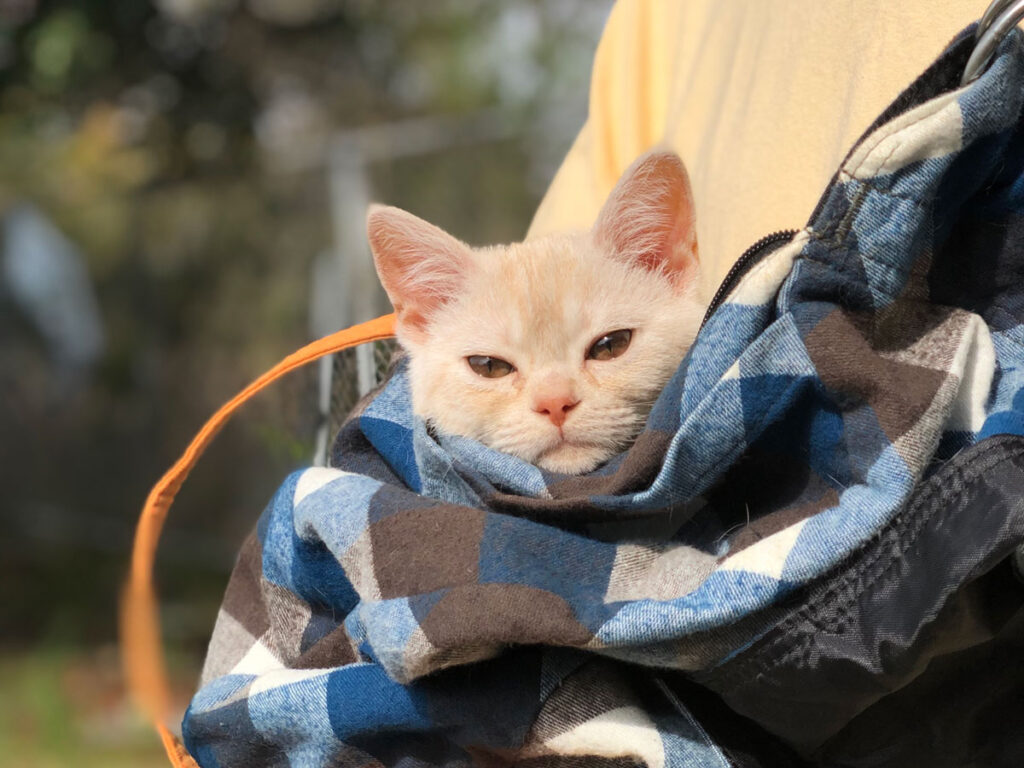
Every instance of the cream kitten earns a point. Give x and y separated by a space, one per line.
553 349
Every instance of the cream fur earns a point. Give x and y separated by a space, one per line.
540 305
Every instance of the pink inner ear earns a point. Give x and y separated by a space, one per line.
649 217
420 266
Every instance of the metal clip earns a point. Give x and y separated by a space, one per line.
1000 17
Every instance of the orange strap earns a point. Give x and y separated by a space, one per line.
142 652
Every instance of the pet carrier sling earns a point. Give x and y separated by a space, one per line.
806 558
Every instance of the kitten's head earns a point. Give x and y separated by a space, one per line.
553 349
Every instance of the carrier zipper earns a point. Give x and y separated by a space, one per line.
748 259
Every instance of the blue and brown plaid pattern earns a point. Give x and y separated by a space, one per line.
427 601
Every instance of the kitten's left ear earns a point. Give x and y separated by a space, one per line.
649 218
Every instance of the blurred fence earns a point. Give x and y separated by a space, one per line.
344 287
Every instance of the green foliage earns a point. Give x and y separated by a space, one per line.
182 146
60 708
63 48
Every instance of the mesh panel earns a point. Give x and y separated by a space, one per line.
348 375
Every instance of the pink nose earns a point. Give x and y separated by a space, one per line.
555 407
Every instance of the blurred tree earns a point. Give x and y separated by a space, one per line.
181 147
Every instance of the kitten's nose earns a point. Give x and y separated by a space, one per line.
555 407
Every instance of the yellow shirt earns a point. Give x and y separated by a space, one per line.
762 99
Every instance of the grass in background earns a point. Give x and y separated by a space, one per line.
67 707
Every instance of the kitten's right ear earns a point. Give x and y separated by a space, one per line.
420 266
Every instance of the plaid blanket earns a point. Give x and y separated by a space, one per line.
426 601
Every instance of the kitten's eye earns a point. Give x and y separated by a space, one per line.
489 367
610 345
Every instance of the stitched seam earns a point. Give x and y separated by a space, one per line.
833 242
846 223
899 135
896 145
826 263
679 707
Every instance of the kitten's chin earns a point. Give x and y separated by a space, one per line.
569 459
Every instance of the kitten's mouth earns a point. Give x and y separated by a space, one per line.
572 457
563 444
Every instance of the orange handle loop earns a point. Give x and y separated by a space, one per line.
142 651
